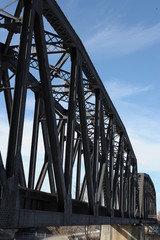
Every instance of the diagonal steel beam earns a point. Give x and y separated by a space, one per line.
117 169
85 141
9 102
49 107
10 34
71 118
96 143
18 109
34 145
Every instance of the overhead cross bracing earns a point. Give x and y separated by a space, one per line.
78 166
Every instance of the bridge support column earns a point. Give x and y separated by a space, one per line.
122 232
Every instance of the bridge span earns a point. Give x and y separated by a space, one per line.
69 160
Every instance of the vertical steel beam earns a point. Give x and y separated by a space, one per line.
62 140
33 156
111 160
49 107
7 91
117 170
76 150
84 183
87 159
121 194
103 173
51 177
131 192
71 118
76 147
78 178
126 186
96 143
18 109
3 176
105 155
134 190
48 155
1 62
8 100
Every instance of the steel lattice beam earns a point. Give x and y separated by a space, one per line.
78 147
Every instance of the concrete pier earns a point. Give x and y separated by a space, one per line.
122 232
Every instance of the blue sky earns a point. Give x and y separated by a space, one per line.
122 39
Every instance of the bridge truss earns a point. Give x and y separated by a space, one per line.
68 157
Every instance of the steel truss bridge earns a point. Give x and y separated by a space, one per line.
67 159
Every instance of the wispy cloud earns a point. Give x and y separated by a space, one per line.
140 121
118 90
117 39
143 132
147 154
